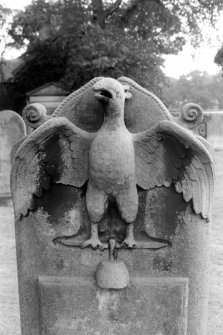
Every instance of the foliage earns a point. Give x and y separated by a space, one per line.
74 40
5 20
4 23
199 87
219 57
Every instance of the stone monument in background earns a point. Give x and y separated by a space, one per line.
112 202
49 95
12 129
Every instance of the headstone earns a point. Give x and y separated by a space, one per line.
12 129
112 204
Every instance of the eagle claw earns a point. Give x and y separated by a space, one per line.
94 243
129 242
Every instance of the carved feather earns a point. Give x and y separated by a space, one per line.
170 154
55 152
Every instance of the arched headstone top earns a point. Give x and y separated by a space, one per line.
8 117
143 111
160 153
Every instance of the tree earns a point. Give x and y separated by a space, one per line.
4 24
219 57
75 40
5 91
198 87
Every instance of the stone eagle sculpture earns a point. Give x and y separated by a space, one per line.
113 162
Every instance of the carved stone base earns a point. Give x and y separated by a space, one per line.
148 306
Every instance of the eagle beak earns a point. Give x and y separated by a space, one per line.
102 94
128 94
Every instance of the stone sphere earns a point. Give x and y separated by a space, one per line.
112 275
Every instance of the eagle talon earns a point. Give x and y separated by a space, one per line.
130 242
94 243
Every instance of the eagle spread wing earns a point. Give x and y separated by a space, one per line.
55 152
169 154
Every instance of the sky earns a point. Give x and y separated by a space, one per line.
184 62
19 4
202 58
189 60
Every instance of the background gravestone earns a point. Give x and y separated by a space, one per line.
168 270
12 129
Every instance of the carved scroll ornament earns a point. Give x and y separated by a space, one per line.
34 115
192 114
192 117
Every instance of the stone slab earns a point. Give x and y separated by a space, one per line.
152 306
12 129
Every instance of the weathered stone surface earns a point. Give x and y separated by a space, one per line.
34 115
191 116
142 112
148 306
207 124
161 236
12 129
112 275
